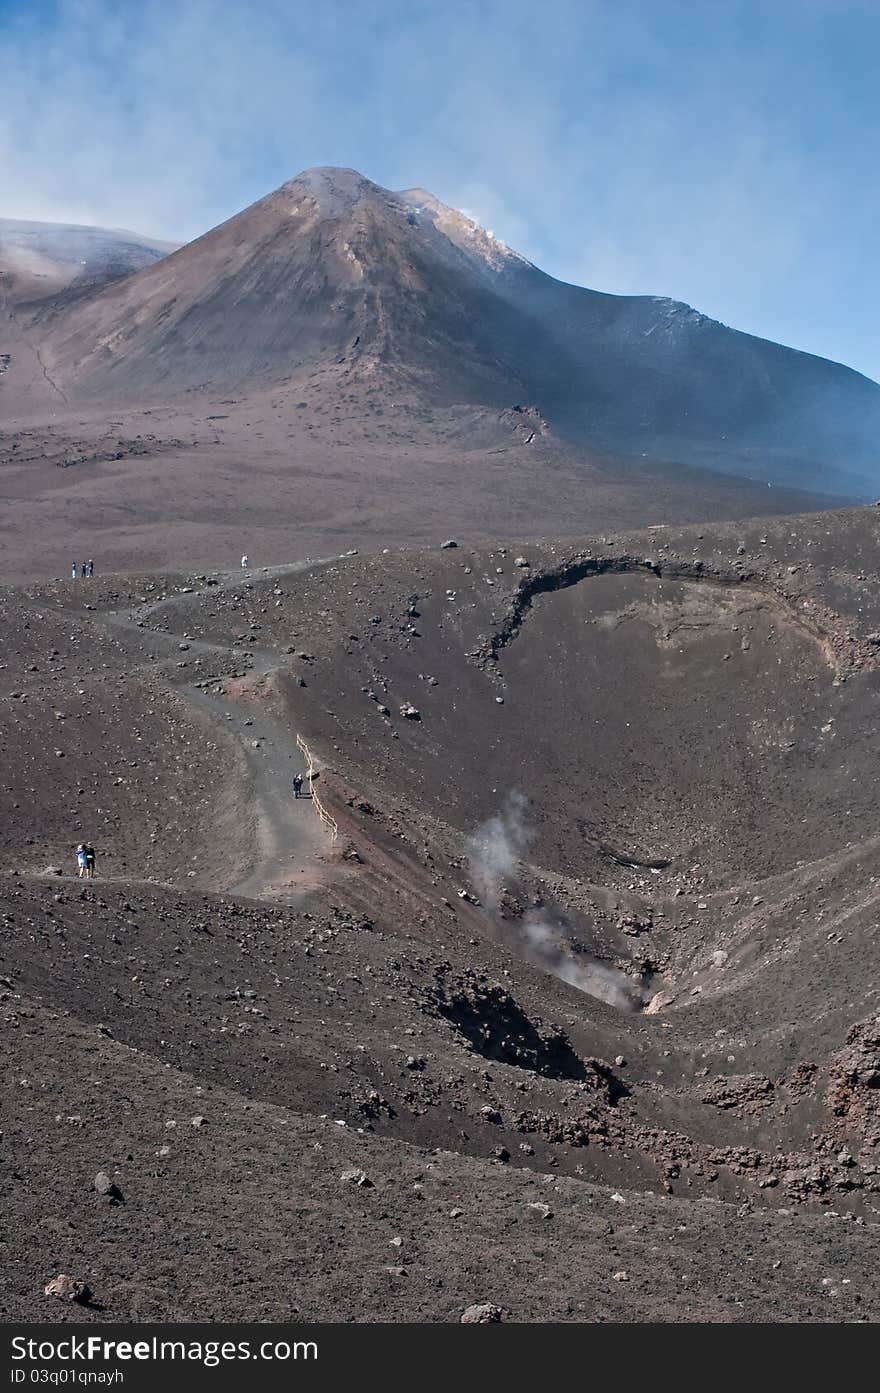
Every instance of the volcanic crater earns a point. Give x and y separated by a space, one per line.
555 987
591 910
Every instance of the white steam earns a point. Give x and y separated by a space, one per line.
495 851
546 940
496 848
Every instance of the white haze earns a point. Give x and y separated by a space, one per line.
496 849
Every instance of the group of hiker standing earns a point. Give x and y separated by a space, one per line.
88 569
85 861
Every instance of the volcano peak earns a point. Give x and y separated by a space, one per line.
438 304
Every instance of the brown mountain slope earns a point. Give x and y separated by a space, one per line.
330 268
340 366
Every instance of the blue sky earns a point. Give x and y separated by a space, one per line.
721 152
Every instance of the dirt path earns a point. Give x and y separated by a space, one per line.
290 844
289 840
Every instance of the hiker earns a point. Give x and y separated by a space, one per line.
297 785
90 861
244 563
73 571
82 861
91 568
83 570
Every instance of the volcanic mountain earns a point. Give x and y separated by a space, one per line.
341 366
565 965
38 260
409 295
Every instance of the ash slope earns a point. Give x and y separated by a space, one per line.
411 296
52 263
42 260
203 1046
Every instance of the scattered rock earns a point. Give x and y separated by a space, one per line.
482 1314
542 1210
746 1091
854 1091
356 1177
68 1288
657 1003
107 1189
